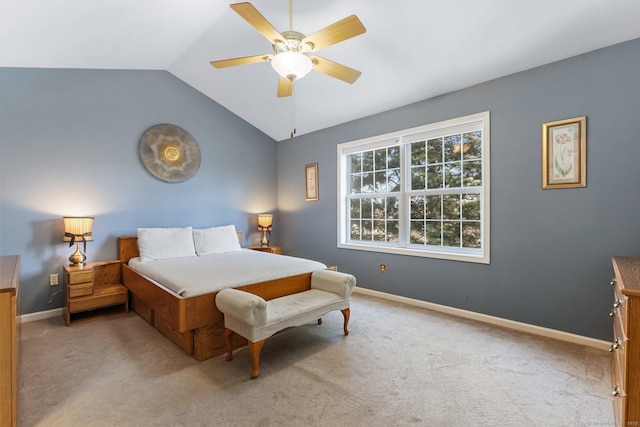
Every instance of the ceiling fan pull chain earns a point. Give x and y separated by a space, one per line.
293 111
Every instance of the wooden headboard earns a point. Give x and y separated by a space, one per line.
128 247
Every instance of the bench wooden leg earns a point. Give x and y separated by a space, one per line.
228 335
254 350
346 313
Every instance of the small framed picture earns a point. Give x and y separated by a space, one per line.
311 181
564 153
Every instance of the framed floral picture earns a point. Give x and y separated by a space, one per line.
564 153
311 181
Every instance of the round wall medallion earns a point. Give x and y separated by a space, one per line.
169 153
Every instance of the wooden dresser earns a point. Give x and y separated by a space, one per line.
625 349
9 339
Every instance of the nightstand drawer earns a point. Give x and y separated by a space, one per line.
80 289
103 296
75 277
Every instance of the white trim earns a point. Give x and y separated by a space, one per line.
498 321
479 121
39 315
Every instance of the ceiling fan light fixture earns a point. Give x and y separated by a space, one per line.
292 65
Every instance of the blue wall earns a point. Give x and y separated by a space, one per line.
550 249
69 146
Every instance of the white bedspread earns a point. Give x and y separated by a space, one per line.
209 273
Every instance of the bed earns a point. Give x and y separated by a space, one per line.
188 318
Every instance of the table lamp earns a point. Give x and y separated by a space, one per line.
265 222
77 229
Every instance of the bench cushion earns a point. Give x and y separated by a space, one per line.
257 322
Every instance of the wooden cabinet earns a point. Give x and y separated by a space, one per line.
9 339
272 249
625 348
94 290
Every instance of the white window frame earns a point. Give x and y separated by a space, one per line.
404 137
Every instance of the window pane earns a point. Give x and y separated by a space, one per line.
417 178
393 236
472 173
452 148
417 207
434 177
393 208
471 206
355 230
380 179
381 159
378 208
356 162
379 233
434 151
472 145
471 234
451 233
433 207
366 208
434 229
394 157
367 161
367 230
355 208
393 180
418 153
452 175
356 184
367 182
417 232
451 207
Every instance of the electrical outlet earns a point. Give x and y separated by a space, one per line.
383 268
53 279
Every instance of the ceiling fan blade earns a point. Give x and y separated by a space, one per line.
257 21
333 69
285 87
335 33
240 61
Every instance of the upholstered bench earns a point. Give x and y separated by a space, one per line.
256 319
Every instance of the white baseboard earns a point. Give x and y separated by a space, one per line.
32 317
498 321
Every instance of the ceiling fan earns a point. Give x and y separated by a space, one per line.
294 53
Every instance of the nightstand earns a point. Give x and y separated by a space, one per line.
273 249
94 291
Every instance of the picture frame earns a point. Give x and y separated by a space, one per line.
564 153
311 182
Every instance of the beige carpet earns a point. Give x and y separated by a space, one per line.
399 366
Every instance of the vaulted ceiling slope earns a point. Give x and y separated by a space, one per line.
412 50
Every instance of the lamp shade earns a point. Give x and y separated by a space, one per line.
292 65
80 227
265 221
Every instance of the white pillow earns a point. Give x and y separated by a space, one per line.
165 243
216 240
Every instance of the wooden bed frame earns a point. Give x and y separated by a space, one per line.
193 323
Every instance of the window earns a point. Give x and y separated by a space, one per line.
421 191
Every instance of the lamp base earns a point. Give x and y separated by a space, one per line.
77 258
265 240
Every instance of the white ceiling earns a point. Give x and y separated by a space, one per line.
412 50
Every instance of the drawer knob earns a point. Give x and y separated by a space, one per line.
616 391
616 304
616 345
613 281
